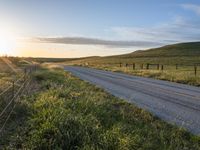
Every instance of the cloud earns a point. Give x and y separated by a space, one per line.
192 7
93 41
178 30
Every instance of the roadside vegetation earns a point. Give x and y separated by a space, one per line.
68 113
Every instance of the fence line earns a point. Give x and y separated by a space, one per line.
15 96
9 115
4 124
4 110
161 67
10 86
195 68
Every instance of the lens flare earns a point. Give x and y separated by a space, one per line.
8 42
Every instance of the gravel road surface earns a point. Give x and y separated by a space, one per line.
176 103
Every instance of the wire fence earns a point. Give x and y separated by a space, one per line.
192 68
11 95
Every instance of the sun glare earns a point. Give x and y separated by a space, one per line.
7 42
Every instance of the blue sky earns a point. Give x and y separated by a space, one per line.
157 22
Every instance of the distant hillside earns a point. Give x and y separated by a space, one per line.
182 53
181 49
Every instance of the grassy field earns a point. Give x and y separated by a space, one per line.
68 113
183 75
186 55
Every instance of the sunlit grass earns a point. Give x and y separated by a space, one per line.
69 113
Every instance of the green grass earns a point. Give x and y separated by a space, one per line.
180 49
68 113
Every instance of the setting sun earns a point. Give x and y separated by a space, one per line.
8 42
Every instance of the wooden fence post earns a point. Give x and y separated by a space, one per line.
162 67
158 66
25 71
142 66
126 65
176 66
195 70
147 66
120 64
13 88
133 66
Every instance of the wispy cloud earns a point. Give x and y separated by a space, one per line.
179 30
192 7
93 41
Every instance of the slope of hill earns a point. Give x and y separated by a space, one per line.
181 49
182 53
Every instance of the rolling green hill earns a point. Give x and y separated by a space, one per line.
181 49
182 53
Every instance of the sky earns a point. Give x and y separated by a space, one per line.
79 28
